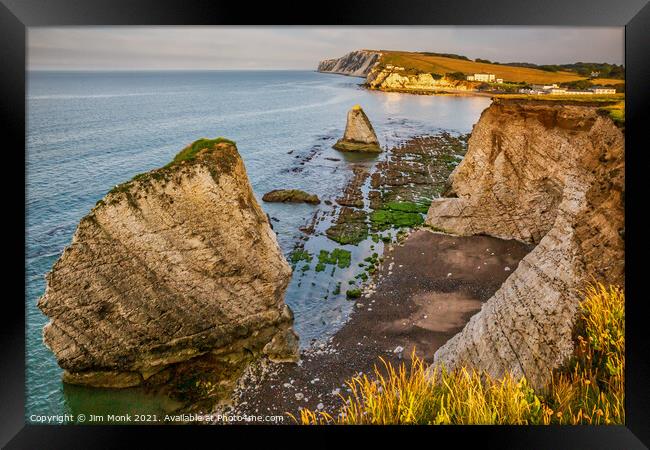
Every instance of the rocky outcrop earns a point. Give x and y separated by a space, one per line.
174 277
397 79
359 135
356 64
553 175
290 196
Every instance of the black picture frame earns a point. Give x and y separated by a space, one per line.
16 15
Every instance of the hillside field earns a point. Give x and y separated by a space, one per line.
417 62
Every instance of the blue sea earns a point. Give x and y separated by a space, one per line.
88 131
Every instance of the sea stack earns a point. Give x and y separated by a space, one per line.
174 278
359 135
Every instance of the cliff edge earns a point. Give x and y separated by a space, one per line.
545 173
174 270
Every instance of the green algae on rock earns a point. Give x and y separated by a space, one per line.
339 257
383 219
353 293
290 196
351 227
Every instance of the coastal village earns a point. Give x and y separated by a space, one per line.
544 89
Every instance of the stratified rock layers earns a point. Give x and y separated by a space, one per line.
359 134
549 174
357 63
177 265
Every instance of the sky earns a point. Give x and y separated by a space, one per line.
229 47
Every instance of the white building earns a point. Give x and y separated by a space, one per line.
603 90
533 91
485 77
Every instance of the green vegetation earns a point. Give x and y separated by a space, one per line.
189 153
410 207
445 55
588 389
616 112
353 293
339 257
384 218
300 255
398 214
337 289
351 227
604 70
460 76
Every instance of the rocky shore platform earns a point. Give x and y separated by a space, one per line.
419 290
425 291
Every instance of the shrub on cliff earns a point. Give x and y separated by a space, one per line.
588 389
455 75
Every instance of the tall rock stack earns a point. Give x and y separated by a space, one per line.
175 277
359 135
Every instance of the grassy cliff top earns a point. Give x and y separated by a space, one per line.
429 63
585 100
188 154
610 105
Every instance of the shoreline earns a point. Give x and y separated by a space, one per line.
419 293
426 290
613 98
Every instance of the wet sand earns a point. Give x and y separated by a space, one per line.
426 290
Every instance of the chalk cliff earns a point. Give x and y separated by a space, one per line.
386 77
549 174
357 63
176 270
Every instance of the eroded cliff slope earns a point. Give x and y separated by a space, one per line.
357 63
173 270
550 174
386 77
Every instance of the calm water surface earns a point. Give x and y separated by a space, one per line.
90 131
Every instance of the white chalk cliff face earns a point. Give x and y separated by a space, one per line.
176 267
547 174
356 64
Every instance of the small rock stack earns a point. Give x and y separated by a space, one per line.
359 135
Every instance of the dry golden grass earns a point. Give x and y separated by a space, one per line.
589 389
442 65
605 99
606 81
